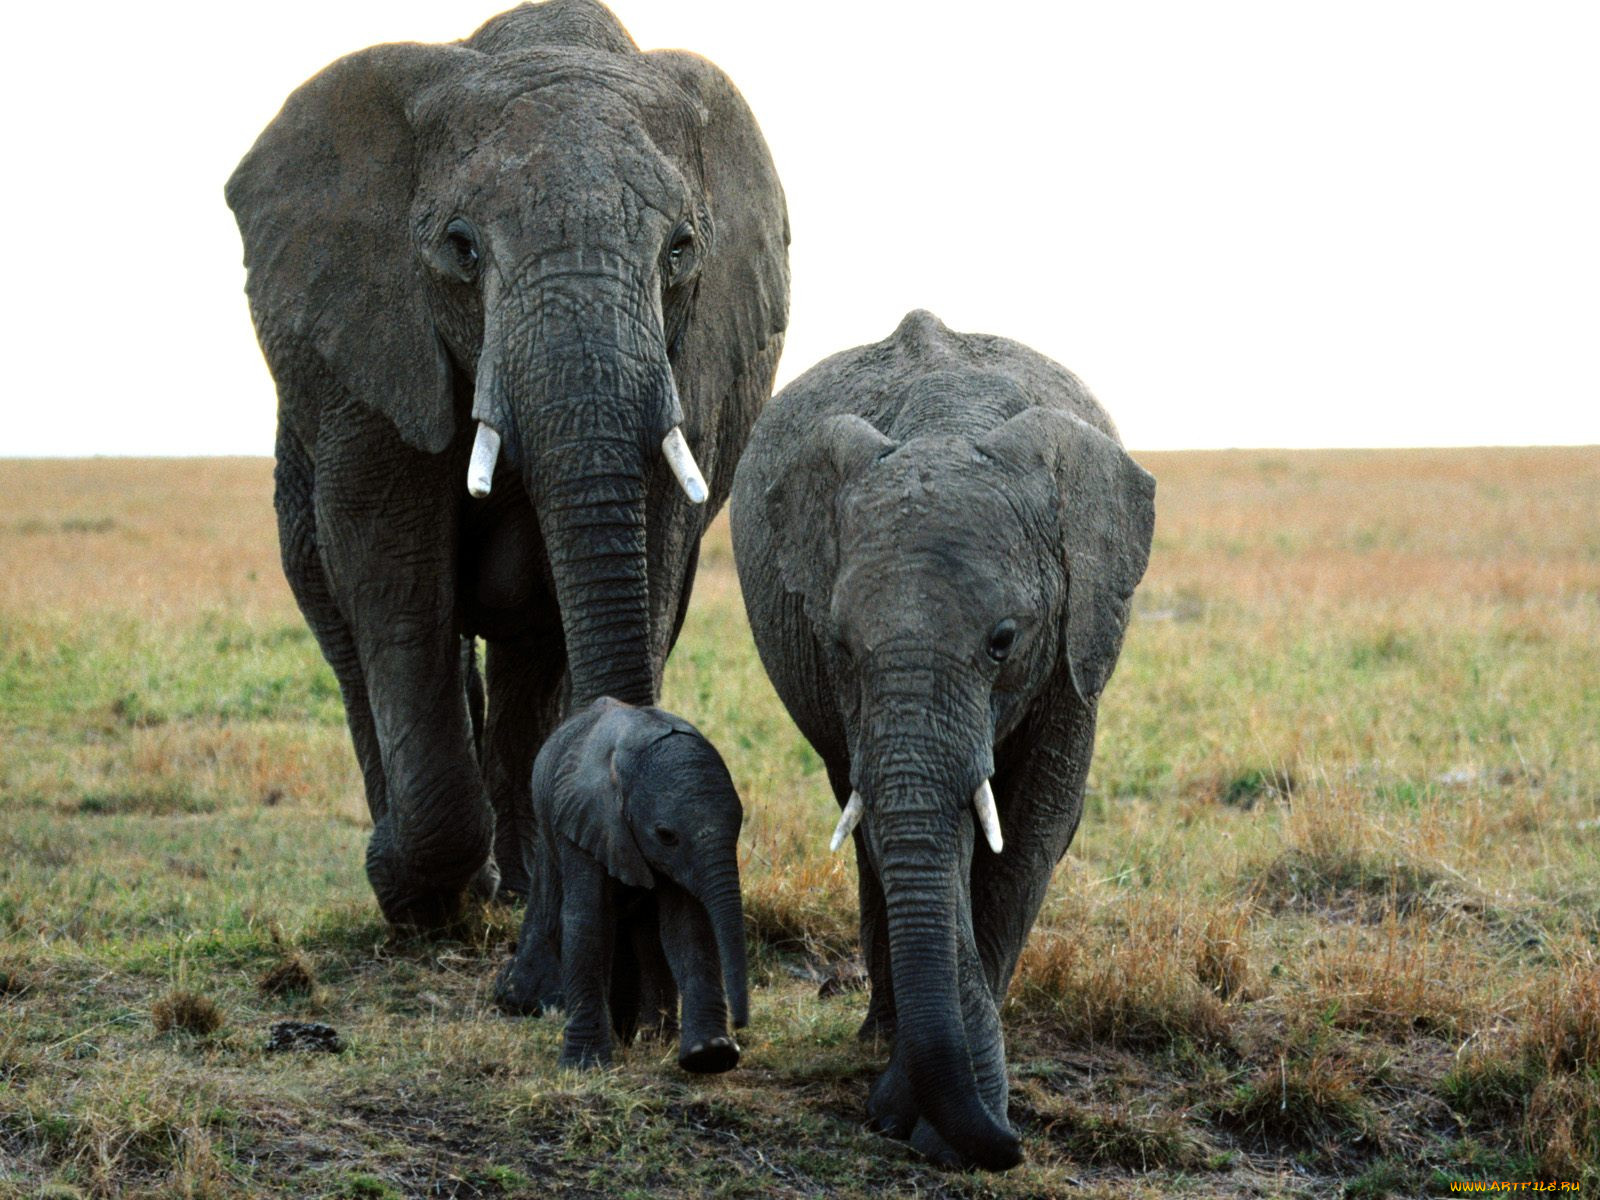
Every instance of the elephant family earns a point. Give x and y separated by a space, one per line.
636 888
546 268
937 538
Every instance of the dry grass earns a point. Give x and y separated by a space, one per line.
1328 924
186 1012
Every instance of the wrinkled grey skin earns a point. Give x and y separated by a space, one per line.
544 228
636 889
896 505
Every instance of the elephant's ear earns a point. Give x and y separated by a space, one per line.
802 506
1107 517
728 351
323 201
591 797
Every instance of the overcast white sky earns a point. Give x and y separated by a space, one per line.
1243 224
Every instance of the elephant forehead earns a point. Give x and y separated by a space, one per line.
559 95
939 499
559 172
928 556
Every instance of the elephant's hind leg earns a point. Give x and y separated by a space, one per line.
525 682
658 993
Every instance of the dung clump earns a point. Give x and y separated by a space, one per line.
304 1035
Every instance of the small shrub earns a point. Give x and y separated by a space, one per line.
1251 786
186 1012
1341 880
1134 988
809 908
1384 1178
1132 1141
1313 1101
1221 962
1401 978
150 799
291 975
1537 1089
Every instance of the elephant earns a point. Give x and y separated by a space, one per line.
636 894
522 297
937 538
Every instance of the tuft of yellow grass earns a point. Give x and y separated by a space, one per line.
186 1012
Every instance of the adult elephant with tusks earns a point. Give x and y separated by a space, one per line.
938 537
523 296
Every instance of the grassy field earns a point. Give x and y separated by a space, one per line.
1329 928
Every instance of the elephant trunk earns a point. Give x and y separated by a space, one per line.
918 771
720 895
577 384
593 521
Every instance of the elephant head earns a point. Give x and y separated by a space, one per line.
650 799
950 582
542 234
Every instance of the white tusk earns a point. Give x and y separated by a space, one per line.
988 816
683 466
850 818
480 471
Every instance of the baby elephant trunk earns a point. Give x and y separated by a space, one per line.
720 894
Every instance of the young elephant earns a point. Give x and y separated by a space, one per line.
937 538
635 891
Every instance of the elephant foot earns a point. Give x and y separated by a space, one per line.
925 1140
409 898
522 991
710 1057
891 1107
422 912
584 1058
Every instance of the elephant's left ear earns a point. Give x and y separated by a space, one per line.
729 349
591 796
1107 519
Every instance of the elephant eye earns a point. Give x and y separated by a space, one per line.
666 836
462 244
682 248
1001 638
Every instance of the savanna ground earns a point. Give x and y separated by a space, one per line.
1329 927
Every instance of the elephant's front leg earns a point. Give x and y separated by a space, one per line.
1040 796
689 940
308 580
385 520
874 925
588 932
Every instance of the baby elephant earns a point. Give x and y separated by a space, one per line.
635 889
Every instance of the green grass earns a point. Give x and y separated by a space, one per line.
1329 926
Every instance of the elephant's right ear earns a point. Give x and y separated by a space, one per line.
802 506
591 798
323 201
